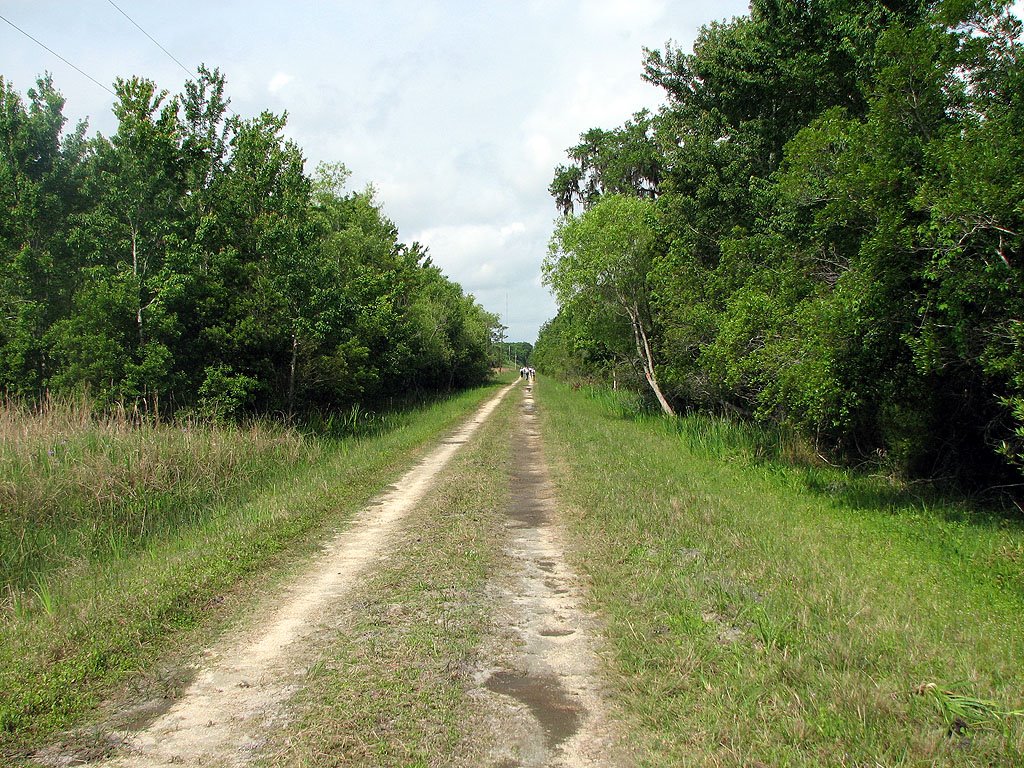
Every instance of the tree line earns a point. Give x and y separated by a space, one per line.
189 261
820 228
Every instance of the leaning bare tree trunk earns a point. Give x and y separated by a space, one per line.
291 374
643 348
136 273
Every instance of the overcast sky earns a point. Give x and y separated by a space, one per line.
457 111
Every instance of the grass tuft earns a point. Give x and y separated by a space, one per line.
960 711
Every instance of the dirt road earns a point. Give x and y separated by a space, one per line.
537 693
542 693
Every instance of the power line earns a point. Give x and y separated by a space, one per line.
82 72
188 71
170 55
46 47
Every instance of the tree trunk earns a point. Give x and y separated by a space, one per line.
291 374
643 348
138 277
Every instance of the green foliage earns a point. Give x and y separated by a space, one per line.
622 161
189 261
600 260
839 231
511 353
225 393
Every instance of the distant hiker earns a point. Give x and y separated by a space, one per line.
531 373
524 372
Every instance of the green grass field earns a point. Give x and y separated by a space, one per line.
762 614
757 613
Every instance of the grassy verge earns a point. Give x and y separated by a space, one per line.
765 615
77 488
101 621
389 688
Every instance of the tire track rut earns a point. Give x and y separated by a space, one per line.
540 688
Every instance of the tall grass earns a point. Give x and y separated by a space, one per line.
784 453
77 487
709 434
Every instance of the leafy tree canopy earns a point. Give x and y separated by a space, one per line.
189 261
831 237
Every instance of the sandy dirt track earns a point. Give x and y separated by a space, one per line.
239 692
540 691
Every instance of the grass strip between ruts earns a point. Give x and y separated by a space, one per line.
388 688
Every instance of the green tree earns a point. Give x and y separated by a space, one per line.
603 256
134 184
838 229
40 168
623 161
190 260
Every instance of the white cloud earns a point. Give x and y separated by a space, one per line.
474 246
279 82
619 16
